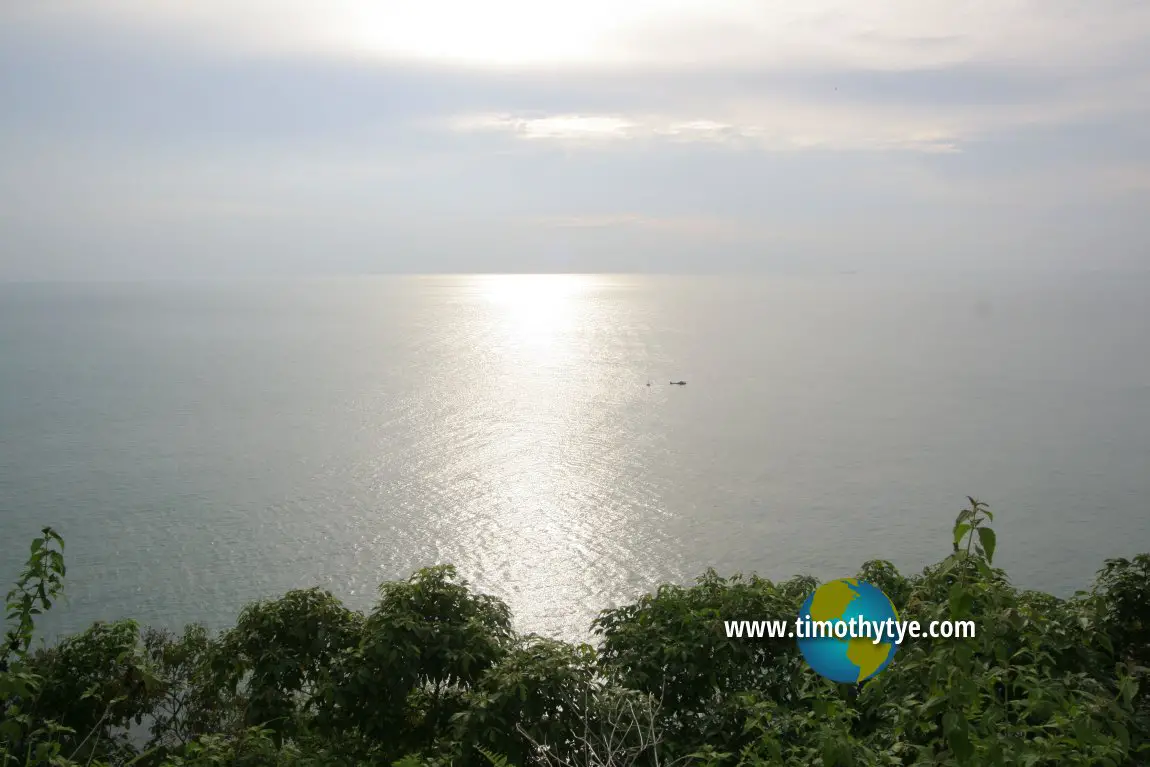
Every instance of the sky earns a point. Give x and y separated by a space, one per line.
144 140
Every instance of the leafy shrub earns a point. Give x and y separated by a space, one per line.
435 676
285 650
540 692
1122 594
427 640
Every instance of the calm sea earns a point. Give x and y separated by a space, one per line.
201 445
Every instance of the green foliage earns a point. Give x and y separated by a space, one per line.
191 700
250 747
285 649
35 590
24 736
451 634
538 693
435 676
427 641
884 576
672 645
1122 599
96 683
1036 685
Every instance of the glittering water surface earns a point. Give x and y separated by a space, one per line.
201 445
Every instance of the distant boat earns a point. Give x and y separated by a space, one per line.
678 383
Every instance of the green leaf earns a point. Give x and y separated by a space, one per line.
988 540
1122 733
960 532
1083 732
960 600
1128 688
959 742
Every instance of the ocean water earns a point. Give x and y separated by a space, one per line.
201 445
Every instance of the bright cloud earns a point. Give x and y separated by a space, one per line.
780 133
673 56
828 122
883 34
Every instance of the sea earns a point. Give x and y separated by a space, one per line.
204 444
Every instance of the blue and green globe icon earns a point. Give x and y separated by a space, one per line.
847 659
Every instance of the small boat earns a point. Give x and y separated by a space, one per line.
678 383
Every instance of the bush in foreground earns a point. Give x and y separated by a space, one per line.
434 675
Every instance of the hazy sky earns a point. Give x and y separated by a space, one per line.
220 137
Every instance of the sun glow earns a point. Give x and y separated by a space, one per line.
533 310
619 34
504 33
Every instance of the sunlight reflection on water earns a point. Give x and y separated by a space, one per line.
549 510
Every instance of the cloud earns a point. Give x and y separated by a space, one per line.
652 34
921 76
801 129
567 127
482 136
822 121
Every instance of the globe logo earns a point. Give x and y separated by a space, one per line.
834 651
